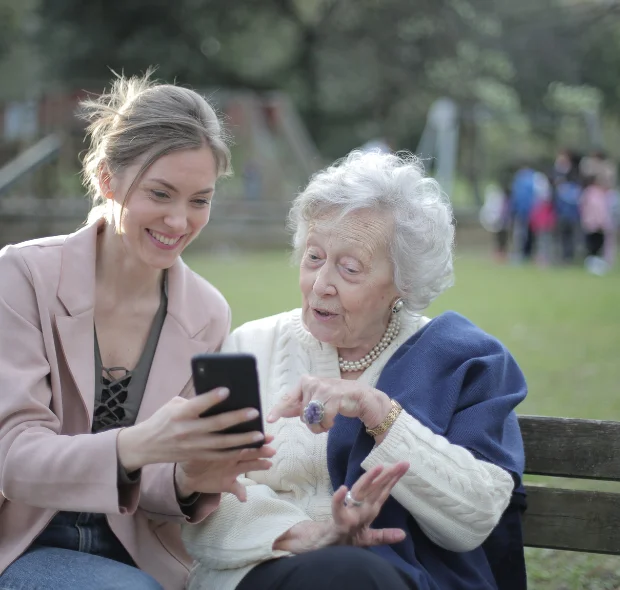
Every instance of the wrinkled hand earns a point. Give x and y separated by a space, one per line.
373 489
350 525
339 396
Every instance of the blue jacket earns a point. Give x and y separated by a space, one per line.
567 197
523 193
463 385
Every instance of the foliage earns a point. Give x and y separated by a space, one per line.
11 20
344 61
601 61
573 99
355 68
8 25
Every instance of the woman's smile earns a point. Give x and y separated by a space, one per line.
164 241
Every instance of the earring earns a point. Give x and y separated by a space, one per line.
397 305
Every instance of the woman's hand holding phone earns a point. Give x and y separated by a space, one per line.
221 475
207 460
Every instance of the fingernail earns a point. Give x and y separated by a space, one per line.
223 392
258 436
253 413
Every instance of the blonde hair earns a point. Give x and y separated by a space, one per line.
139 117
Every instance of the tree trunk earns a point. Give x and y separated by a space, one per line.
309 71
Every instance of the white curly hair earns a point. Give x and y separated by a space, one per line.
394 184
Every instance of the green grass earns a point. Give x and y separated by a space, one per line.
562 326
255 285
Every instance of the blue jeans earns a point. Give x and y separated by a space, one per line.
77 550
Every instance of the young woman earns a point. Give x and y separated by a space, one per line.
102 450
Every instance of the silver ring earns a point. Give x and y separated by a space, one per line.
349 500
314 412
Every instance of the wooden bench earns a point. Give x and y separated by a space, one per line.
560 518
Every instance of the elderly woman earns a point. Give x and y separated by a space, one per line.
358 379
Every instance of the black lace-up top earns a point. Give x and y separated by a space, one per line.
119 391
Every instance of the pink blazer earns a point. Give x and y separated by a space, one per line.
49 461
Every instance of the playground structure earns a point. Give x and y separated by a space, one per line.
273 155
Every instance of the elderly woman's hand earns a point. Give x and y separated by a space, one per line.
338 396
351 521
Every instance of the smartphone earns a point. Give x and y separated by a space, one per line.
237 372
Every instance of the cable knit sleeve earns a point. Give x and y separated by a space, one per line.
456 499
240 534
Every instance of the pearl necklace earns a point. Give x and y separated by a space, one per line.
389 335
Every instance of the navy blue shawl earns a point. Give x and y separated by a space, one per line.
463 385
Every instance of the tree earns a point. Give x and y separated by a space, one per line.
9 25
601 60
11 19
346 63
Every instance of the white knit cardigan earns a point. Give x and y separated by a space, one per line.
455 498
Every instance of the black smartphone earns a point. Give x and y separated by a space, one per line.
237 372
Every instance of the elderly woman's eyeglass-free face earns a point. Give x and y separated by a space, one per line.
347 281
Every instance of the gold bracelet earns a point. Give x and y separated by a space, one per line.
389 420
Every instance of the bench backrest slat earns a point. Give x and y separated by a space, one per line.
566 447
574 520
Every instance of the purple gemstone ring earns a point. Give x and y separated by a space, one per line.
314 412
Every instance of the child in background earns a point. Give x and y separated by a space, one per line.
596 222
495 218
568 191
522 200
542 219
